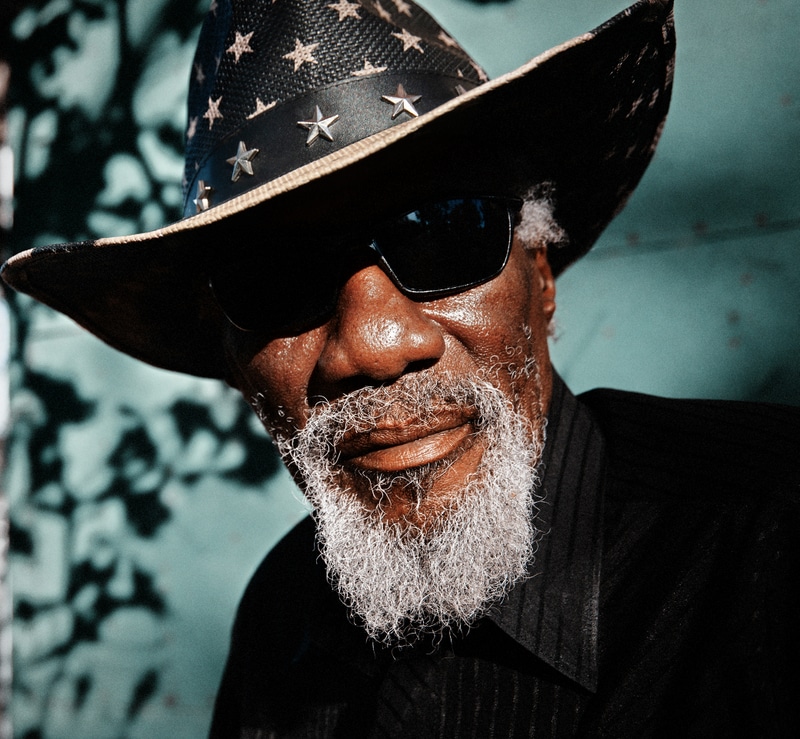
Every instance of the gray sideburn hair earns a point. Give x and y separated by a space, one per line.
537 227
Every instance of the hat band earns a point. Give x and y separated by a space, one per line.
307 128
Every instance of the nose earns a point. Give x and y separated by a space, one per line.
377 333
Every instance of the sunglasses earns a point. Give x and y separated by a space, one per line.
432 251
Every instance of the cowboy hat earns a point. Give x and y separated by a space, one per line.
307 114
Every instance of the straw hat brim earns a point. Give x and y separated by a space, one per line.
584 116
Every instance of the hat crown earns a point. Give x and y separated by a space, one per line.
255 57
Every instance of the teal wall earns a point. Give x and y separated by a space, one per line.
141 500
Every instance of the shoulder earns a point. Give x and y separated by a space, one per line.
295 658
289 583
701 556
700 491
291 612
700 445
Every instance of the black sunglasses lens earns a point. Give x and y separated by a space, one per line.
278 291
448 246
434 250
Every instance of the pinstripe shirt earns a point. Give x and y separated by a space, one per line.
663 602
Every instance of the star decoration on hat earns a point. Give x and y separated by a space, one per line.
301 54
382 12
213 111
202 200
192 130
199 76
482 76
368 69
242 161
447 40
410 41
320 126
261 108
402 7
240 46
403 102
345 9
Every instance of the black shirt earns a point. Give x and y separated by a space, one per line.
663 600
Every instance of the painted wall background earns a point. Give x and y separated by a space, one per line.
141 501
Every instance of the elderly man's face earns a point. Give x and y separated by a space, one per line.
415 430
379 337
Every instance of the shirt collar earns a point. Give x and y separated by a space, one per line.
554 613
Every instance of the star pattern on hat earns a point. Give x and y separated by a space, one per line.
368 69
448 41
345 9
410 41
202 199
382 12
403 102
635 106
261 108
402 7
240 46
482 76
372 38
212 114
242 161
301 54
320 126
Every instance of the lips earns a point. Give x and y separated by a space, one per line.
393 448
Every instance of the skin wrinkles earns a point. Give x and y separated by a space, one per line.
377 335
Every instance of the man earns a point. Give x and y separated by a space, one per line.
369 255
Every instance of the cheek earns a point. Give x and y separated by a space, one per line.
277 374
491 320
498 327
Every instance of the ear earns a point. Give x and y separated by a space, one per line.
547 284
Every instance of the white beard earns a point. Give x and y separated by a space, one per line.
402 581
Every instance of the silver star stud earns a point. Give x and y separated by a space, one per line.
301 54
368 69
202 199
240 46
410 41
320 126
345 9
402 102
242 161
213 113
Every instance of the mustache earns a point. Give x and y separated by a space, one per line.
421 402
